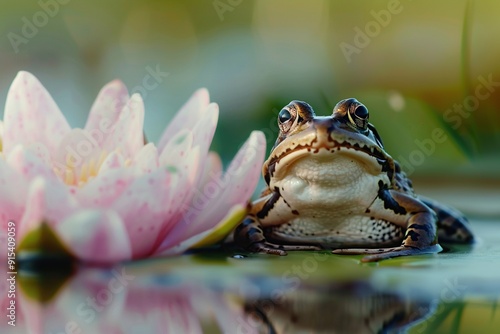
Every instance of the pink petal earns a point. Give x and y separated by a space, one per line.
96 236
144 211
220 195
153 203
31 116
105 188
204 129
145 203
182 192
177 148
212 170
41 207
106 110
34 214
48 202
204 191
185 141
127 135
239 181
186 117
28 164
13 192
245 169
177 245
180 158
146 160
113 160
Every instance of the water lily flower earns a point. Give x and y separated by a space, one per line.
101 194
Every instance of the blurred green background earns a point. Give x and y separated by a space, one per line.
419 66
410 62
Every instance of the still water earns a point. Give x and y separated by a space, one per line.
216 291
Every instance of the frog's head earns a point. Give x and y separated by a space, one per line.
341 141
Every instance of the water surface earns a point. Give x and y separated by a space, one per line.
217 291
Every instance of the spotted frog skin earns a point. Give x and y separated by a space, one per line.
331 185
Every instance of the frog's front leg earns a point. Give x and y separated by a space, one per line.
250 235
419 220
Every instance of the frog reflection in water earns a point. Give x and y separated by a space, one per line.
331 185
349 307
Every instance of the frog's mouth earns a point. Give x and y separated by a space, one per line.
341 159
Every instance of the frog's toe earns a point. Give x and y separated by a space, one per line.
302 247
379 254
356 251
267 248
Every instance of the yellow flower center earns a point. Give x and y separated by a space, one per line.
79 175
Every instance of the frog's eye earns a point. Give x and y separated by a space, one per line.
284 116
361 115
361 112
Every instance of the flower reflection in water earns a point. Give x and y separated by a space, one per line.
121 300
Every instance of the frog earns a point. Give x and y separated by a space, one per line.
332 186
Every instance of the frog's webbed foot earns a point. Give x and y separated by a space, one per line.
379 254
267 248
250 236
274 249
